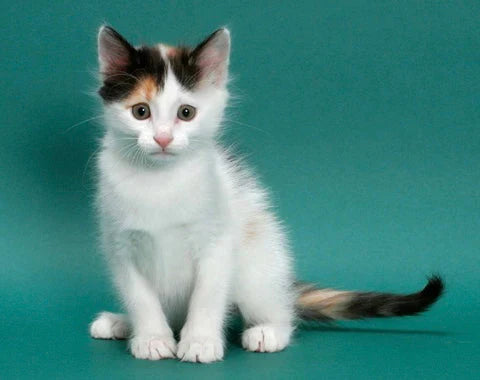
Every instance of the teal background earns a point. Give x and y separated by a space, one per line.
362 118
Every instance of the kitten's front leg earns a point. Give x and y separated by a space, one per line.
202 335
152 337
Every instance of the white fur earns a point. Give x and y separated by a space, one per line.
110 326
188 235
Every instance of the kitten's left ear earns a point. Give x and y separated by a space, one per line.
212 57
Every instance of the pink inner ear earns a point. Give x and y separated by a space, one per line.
114 56
211 64
116 63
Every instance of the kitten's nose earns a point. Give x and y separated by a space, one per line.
163 139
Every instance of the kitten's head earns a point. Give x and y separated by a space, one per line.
162 102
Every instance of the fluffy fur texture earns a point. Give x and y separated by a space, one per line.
187 232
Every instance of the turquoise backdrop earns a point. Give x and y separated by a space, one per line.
363 119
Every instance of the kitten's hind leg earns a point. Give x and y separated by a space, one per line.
266 337
266 300
110 326
269 326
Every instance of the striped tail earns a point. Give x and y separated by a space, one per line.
329 304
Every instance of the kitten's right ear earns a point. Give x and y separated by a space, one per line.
212 57
114 51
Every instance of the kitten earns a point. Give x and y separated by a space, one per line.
188 232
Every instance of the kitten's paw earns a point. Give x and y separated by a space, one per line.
200 349
266 338
109 326
153 347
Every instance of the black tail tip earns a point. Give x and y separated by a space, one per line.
434 289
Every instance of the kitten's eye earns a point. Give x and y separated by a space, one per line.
186 112
141 111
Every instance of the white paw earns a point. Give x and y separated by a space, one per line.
109 326
153 347
200 349
266 338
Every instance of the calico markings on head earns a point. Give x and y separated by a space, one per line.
162 102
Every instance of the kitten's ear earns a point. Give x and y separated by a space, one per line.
212 57
114 51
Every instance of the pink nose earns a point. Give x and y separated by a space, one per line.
163 139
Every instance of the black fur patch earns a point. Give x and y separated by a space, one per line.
143 62
390 305
184 67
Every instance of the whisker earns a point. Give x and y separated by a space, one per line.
88 162
247 125
82 122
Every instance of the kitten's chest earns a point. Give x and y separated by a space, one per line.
154 201
168 262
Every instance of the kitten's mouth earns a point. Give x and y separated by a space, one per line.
162 153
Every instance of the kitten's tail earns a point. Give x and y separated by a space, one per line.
329 304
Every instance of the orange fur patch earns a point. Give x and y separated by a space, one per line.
253 227
328 301
251 230
144 91
171 51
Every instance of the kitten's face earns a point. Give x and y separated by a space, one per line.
162 102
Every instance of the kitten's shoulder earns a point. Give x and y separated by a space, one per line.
242 179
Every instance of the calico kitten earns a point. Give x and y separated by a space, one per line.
188 233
